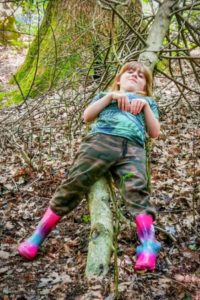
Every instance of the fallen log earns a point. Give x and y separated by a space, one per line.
101 235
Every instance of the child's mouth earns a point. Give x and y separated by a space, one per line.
133 79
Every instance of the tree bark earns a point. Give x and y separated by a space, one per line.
157 33
101 235
149 57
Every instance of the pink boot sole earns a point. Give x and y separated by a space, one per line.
145 261
27 250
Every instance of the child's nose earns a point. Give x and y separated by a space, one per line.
135 74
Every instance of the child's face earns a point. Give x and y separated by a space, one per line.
132 80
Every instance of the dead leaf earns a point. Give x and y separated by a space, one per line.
4 254
190 278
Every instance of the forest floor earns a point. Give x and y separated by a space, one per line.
27 184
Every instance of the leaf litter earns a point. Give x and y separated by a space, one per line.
36 158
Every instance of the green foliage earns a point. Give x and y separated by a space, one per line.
175 27
30 6
192 247
10 98
32 13
86 218
8 31
148 147
2 95
187 297
162 64
127 176
66 65
122 182
25 27
19 44
15 97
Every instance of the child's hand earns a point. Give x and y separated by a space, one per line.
137 106
122 101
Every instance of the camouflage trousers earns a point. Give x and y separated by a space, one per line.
97 155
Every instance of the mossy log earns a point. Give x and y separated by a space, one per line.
101 235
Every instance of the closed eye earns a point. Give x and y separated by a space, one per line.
141 75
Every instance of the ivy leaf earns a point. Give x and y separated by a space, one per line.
192 247
128 175
187 297
86 218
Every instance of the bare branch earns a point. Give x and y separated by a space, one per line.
125 21
177 82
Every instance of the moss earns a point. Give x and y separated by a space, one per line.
60 61
2 95
8 31
10 98
33 50
53 65
48 72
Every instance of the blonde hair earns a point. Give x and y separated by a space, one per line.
142 68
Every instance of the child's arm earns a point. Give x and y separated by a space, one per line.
153 125
94 109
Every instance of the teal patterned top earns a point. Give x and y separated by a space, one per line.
114 121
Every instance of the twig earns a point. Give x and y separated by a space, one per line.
179 83
126 22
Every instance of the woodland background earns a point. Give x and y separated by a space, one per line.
55 55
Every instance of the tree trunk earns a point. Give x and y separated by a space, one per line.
66 43
149 57
157 33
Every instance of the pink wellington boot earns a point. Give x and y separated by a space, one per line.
147 252
29 248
